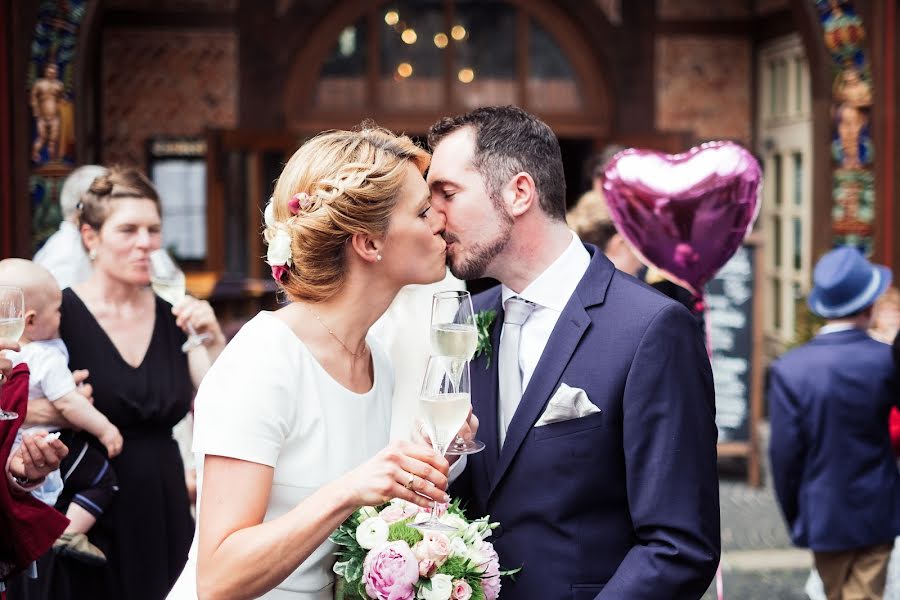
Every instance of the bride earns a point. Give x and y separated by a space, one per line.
292 420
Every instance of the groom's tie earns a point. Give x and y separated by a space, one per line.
516 312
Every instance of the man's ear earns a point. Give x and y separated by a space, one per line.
520 194
366 247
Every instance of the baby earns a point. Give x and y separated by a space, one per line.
88 478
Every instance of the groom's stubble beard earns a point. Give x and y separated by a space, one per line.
480 255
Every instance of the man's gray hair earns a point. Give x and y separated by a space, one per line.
76 185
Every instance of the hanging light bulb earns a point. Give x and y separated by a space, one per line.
441 40
404 70
466 75
458 32
409 36
391 17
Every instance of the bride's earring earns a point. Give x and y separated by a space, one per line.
378 257
92 254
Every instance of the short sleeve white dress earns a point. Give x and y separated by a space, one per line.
267 400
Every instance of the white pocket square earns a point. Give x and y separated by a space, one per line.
566 404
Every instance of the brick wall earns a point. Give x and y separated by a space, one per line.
703 86
164 82
708 9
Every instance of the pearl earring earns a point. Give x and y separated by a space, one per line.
92 254
378 257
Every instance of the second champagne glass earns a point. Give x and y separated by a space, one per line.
455 337
12 325
444 410
167 280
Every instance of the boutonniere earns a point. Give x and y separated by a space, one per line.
483 322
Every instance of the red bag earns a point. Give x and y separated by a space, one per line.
28 527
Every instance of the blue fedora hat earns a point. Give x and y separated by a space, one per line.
844 282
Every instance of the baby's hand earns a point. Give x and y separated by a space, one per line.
112 439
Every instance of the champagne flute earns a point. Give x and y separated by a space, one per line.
454 338
12 326
167 280
444 408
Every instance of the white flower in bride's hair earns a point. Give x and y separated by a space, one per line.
268 214
441 588
279 252
372 532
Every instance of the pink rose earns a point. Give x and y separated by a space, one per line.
398 512
434 546
440 509
390 570
427 568
490 578
461 590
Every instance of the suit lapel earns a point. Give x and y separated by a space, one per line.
485 389
569 329
571 326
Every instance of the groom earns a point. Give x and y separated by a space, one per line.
596 399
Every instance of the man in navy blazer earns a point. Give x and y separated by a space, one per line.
835 475
596 400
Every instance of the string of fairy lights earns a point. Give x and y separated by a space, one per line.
441 40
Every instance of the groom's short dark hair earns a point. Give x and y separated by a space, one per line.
509 140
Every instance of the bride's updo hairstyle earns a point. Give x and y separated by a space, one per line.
337 184
98 202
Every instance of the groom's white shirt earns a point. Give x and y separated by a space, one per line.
551 291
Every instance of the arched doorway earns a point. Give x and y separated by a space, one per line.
404 64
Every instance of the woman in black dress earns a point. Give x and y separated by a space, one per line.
130 341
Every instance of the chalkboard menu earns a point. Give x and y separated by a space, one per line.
729 299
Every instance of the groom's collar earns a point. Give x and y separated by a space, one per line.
553 288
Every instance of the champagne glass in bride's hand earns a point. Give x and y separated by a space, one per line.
12 325
443 407
167 280
454 337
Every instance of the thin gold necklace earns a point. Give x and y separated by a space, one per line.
334 335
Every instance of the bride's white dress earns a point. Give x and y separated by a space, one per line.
267 400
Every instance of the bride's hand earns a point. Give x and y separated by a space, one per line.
404 470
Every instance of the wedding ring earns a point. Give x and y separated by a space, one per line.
39 465
409 484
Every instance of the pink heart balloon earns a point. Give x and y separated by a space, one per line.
685 214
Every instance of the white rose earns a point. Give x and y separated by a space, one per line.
279 252
268 214
372 532
441 588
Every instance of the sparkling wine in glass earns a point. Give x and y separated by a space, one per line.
12 326
167 281
454 338
443 408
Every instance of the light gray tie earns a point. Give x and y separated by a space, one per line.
516 312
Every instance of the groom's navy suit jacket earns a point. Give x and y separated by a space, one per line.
623 503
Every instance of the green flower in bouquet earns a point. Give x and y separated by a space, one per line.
381 556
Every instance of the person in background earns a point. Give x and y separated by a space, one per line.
91 481
130 341
835 477
63 254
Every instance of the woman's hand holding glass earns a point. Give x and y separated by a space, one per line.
197 318
404 470
168 281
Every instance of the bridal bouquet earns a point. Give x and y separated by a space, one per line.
381 558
